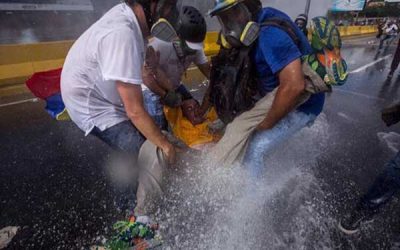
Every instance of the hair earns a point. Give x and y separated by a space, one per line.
129 2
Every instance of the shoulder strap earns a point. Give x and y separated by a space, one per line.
284 25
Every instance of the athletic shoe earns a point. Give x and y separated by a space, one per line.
350 224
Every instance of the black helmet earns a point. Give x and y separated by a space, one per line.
191 25
161 4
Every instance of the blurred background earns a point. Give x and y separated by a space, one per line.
30 21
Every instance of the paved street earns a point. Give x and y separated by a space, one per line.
54 182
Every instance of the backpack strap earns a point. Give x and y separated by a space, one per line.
284 25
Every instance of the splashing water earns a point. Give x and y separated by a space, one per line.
220 208
391 140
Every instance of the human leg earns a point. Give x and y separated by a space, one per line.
263 142
123 137
395 62
384 187
383 39
380 193
126 140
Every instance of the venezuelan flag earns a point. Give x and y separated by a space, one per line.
46 86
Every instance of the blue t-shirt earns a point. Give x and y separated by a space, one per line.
274 50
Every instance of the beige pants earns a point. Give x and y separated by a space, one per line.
152 166
232 147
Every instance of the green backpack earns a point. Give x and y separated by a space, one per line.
325 67
326 59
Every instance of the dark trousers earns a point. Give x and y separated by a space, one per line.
396 59
126 140
386 38
384 187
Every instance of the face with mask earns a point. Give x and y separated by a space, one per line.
238 28
187 34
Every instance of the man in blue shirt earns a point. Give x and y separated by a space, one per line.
277 58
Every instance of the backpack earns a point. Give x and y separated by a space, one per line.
326 61
232 82
234 85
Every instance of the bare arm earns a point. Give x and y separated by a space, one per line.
149 79
291 86
153 76
133 101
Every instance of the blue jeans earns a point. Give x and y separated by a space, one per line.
155 109
125 139
263 142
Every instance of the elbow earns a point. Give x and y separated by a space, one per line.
300 88
135 115
295 89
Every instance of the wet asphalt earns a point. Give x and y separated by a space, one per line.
54 184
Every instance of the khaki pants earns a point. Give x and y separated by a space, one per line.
152 166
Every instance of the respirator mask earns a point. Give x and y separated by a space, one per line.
237 28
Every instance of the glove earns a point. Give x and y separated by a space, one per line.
190 110
172 99
391 115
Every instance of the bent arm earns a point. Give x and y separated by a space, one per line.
291 87
132 99
150 81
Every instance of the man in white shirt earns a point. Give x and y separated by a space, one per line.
101 81
390 32
167 62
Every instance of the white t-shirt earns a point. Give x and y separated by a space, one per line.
111 50
170 63
392 29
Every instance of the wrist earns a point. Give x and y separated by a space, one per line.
165 145
184 92
264 125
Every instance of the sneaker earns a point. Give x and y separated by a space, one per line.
350 224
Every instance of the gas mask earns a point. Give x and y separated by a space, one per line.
164 30
237 28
